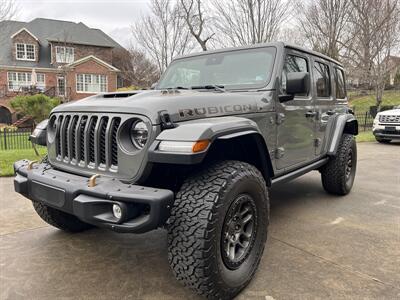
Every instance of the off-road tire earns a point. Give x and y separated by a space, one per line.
59 219
195 228
333 174
383 141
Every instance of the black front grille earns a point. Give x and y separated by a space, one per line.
87 140
389 118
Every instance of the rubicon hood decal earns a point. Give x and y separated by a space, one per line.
215 110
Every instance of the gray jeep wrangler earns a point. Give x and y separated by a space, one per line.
197 155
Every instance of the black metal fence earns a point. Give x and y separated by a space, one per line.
15 139
365 120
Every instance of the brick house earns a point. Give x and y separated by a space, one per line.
58 58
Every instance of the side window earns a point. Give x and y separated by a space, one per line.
322 79
340 85
293 64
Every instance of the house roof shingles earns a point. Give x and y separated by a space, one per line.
48 30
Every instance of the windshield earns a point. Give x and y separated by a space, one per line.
239 69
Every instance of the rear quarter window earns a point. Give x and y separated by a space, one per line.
340 84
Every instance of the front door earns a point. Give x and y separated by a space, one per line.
61 86
295 119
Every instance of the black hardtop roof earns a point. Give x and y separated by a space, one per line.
275 44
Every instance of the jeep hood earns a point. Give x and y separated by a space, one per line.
182 105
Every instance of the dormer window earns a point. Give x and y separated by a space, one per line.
25 52
64 54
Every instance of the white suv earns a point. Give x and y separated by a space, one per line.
387 125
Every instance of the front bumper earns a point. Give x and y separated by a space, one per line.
386 131
146 208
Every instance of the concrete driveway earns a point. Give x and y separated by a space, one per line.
319 246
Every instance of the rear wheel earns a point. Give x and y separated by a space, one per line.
59 219
218 228
339 173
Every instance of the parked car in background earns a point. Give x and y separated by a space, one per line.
386 125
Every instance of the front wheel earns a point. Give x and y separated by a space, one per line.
218 229
339 173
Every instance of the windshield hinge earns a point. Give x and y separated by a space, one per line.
165 120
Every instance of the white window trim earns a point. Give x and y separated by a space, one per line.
25 52
91 75
65 47
65 86
19 86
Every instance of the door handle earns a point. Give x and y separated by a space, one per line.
310 114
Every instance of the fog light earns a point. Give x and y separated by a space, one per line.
117 211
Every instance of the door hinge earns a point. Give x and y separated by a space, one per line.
280 118
279 152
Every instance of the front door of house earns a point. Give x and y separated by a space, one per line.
61 86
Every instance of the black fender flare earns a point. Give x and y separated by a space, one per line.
215 130
343 123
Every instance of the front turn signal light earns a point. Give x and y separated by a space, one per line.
183 146
200 146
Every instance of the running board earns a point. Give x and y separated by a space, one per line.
296 173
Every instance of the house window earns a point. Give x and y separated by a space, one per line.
18 81
25 52
64 54
91 83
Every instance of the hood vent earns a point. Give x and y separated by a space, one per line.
120 95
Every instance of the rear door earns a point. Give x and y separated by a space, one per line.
295 124
324 81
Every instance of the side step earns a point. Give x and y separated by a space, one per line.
296 173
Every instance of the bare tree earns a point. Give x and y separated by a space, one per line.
192 11
162 34
324 24
244 22
375 25
7 10
136 68
292 35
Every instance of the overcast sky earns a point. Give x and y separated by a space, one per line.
113 17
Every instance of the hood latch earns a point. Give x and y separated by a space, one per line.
165 120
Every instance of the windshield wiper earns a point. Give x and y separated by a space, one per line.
209 87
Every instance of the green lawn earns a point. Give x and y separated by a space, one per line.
365 136
7 158
364 102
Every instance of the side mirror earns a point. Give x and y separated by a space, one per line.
296 83
39 135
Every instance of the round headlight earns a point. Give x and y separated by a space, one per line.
139 134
